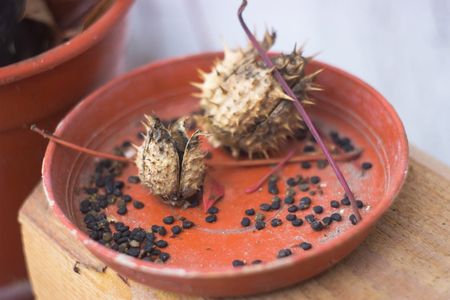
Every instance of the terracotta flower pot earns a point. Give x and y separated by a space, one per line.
201 257
41 90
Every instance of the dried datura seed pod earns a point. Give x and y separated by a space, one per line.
170 164
245 108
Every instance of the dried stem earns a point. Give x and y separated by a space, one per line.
75 147
300 110
270 161
281 164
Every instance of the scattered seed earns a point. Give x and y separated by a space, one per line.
305 246
359 204
119 184
134 179
336 217
353 219
304 187
91 190
256 262
187 224
117 192
310 218
260 217
284 253
318 209
168 220
250 212
133 251
121 227
162 231
315 179
309 148
211 219
161 244
100 182
290 192
303 206
275 205
292 208
291 182
327 221
306 165
245 222
238 263
297 222
276 222
122 210
103 203
85 206
345 201
305 200
317 225
154 228
127 198
366 165
163 256
273 189
260 225
138 204
289 200
291 217
213 210
155 251
264 207
334 204
176 229
150 236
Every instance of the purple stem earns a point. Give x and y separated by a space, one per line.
300 110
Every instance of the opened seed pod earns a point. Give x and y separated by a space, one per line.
170 163
245 108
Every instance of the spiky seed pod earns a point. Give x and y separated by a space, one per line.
245 108
170 164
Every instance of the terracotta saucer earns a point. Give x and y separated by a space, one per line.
201 257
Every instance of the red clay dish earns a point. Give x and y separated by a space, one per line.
201 257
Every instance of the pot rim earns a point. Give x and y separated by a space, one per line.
68 50
176 272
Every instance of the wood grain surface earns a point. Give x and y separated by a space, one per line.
406 256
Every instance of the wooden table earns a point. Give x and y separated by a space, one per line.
407 255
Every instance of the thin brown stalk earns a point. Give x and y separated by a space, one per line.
75 147
270 161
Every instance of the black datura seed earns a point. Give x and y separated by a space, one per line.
297 222
238 263
211 219
305 246
284 253
250 212
245 222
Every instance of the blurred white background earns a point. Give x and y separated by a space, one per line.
400 47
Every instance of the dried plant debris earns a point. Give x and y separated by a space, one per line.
170 163
245 108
